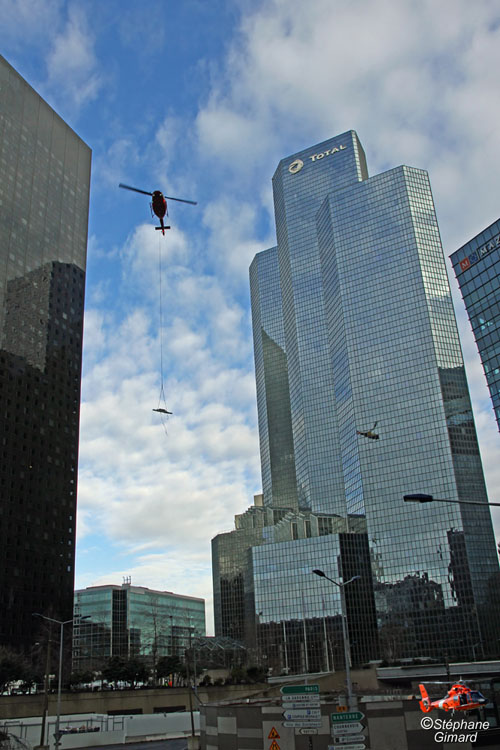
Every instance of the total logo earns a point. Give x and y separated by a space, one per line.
297 165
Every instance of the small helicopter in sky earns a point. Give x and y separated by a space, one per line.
158 203
369 433
459 697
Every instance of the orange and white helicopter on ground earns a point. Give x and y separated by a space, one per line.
460 697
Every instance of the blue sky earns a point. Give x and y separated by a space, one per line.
201 100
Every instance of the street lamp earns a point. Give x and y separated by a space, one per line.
57 733
422 498
345 633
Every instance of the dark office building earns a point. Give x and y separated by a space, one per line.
44 197
477 268
362 398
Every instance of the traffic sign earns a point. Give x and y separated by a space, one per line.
301 698
302 724
302 713
349 739
292 704
353 727
357 746
307 731
347 717
294 689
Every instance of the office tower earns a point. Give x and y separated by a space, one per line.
132 621
477 268
362 399
44 196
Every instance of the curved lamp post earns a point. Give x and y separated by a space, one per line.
345 633
420 497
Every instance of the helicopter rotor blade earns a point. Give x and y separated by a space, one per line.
136 190
181 200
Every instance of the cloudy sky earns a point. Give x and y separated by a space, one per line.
201 99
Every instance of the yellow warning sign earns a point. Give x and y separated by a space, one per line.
273 734
274 745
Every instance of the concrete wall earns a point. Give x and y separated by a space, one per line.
123 701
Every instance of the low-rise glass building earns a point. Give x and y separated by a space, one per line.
131 621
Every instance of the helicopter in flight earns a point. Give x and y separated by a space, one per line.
158 203
459 697
370 434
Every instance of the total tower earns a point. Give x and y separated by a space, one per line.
44 198
362 398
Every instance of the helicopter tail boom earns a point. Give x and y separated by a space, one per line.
425 703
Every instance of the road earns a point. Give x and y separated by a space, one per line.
154 745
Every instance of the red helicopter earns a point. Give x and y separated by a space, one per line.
158 203
459 697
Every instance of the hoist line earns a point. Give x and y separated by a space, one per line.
162 392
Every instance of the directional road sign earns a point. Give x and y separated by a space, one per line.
302 713
357 746
302 724
347 717
353 727
287 705
349 739
302 698
307 731
294 689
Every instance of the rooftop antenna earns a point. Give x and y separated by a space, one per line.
127 580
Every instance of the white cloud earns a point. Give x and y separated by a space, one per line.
111 168
73 76
232 226
144 488
34 19
404 75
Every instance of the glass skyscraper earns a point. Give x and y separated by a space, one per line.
477 268
362 398
44 198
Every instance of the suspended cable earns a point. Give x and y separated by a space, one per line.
162 404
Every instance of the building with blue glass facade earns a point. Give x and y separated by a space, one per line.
130 621
477 268
362 398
